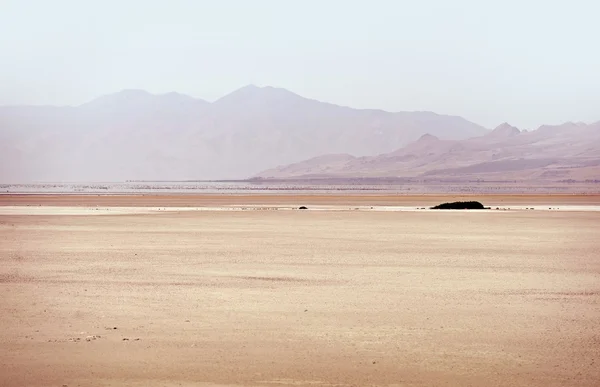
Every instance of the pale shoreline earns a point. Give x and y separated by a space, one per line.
353 199
87 211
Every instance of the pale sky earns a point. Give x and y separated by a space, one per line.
527 62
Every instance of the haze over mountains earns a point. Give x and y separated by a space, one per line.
134 135
550 154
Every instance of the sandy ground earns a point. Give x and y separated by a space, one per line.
302 298
346 199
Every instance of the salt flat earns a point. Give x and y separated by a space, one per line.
82 210
303 298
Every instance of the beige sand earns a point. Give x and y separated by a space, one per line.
356 199
303 298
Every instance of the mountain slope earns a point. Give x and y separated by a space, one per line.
569 151
137 135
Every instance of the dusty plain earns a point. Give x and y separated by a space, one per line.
344 199
302 298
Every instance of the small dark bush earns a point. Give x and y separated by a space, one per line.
303 208
459 206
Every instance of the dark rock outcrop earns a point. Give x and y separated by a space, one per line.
473 205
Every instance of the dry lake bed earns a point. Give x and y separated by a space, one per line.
328 297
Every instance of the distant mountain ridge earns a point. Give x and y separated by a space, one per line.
552 153
135 135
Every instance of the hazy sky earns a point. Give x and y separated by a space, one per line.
527 62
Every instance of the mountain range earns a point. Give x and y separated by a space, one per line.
135 135
568 152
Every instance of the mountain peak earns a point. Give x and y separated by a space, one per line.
504 130
129 94
250 88
426 141
252 92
